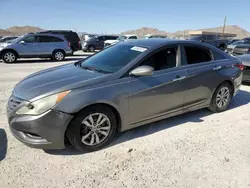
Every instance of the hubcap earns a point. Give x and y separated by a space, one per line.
222 97
95 129
91 48
59 56
9 57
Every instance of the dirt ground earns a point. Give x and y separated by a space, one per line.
198 149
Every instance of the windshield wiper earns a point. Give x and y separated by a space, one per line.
93 69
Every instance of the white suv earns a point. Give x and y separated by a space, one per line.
120 39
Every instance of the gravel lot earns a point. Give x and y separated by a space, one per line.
198 149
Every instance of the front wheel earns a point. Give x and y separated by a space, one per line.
221 98
92 129
58 55
9 57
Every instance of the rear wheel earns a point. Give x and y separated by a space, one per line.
58 55
221 98
9 57
92 129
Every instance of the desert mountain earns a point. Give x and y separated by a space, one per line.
241 33
17 30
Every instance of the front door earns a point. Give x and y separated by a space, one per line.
154 96
28 47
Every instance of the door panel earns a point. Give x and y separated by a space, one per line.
156 95
28 48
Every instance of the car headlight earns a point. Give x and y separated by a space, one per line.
42 105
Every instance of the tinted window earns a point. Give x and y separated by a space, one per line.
49 39
210 37
247 42
111 37
133 37
113 58
197 55
162 60
30 39
100 38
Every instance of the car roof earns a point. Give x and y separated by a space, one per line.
159 42
46 34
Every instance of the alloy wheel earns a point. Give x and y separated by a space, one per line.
59 56
95 129
9 57
223 97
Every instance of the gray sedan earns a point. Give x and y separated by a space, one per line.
122 87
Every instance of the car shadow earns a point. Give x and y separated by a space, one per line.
45 60
3 144
241 99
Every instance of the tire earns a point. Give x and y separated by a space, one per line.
58 55
77 129
215 102
222 47
91 48
9 57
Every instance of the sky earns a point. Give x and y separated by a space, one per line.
115 16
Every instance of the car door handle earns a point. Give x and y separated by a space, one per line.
178 78
217 68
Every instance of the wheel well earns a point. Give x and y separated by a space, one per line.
5 50
225 81
59 50
117 115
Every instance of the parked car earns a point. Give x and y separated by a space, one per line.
233 41
121 38
71 36
149 36
231 47
122 87
245 59
97 42
35 45
242 49
7 38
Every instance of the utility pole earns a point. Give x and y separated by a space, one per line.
225 20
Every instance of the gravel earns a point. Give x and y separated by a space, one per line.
198 149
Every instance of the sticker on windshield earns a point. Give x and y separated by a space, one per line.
139 49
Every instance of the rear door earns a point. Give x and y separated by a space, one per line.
154 96
47 44
100 42
202 77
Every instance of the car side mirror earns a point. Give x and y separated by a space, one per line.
22 42
142 71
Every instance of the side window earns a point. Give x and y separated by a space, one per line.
100 38
196 54
163 59
247 42
133 37
31 39
45 39
55 39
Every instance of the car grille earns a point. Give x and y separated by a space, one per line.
13 103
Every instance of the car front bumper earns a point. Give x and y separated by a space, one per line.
45 131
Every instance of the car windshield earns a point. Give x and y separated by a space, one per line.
113 58
121 38
237 42
15 40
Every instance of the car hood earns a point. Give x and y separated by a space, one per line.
245 59
54 80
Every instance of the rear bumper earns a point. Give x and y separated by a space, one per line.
46 131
